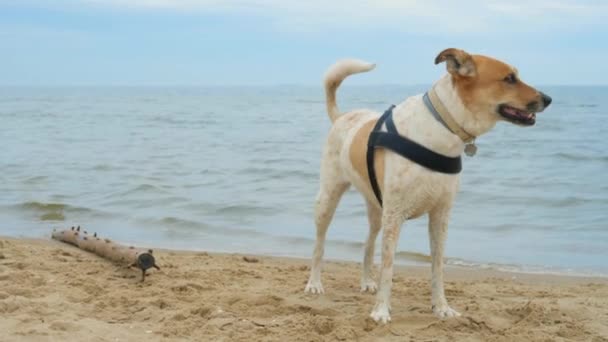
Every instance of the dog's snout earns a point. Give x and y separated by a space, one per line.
532 106
546 99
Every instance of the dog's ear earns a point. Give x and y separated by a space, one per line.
458 62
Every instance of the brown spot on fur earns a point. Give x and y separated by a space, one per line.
486 90
358 155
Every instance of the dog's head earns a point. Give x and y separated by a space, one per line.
487 86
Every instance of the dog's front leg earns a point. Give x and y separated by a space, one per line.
392 226
438 228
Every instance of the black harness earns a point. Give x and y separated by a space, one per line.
406 148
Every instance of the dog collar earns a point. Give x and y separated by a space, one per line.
441 114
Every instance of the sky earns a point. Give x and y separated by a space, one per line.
275 42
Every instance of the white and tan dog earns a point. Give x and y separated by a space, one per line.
476 93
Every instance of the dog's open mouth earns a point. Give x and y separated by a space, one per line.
517 116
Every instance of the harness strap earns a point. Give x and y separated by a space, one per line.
406 148
371 170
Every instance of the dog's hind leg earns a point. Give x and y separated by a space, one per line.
327 200
438 227
374 217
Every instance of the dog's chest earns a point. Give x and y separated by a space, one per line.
414 190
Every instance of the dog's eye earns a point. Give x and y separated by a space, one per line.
511 79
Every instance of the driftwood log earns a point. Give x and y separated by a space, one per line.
108 249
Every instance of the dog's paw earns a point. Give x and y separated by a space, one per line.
444 311
314 287
368 285
381 313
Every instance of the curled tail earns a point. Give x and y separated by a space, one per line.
334 77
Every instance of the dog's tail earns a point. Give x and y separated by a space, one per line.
335 75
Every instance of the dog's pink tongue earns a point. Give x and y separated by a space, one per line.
515 112
512 111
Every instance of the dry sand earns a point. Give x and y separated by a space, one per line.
51 291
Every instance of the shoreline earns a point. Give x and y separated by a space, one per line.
406 258
50 290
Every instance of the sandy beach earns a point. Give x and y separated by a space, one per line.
52 291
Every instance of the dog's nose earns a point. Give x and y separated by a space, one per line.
546 99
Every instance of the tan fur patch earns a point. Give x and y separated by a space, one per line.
487 89
358 155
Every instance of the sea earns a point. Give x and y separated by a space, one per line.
236 170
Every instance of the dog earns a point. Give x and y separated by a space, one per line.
476 92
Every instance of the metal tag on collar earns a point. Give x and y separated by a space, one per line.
470 149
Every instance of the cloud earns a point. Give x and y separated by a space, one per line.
417 16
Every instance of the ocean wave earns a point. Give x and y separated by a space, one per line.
45 207
172 120
210 182
354 249
285 160
274 174
270 173
244 209
230 210
182 223
256 170
579 157
146 203
185 225
552 201
511 268
140 189
307 101
528 269
303 175
576 201
53 211
352 246
413 256
105 167
35 180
